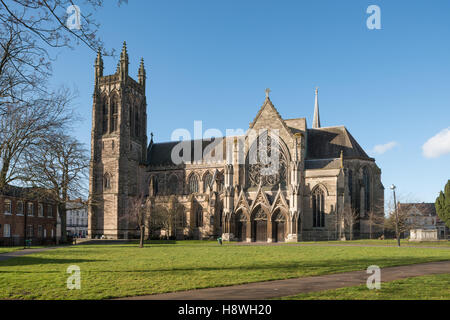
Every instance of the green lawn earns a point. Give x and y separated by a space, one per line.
434 287
12 249
9 249
389 242
121 270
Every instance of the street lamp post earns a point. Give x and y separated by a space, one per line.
397 233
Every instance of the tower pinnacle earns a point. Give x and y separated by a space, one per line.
142 74
98 65
316 119
124 62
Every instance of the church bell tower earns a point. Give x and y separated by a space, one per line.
118 147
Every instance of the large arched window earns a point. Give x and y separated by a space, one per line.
318 208
220 182
114 114
153 186
350 186
131 120
366 184
266 161
105 115
207 181
199 216
173 184
136 124
193 184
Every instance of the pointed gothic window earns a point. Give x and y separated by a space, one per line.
173 184
193 184
220 182
131 121
207 182
266 161
350 186
318 208
136 124
114 114
105 116
199 216
366 184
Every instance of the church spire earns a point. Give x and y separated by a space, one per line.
316 120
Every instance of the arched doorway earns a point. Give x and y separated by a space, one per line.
259 226
278 226
241 226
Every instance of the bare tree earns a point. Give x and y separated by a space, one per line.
158 218
168 215
46 21
24 67
398 221
28 29
59 165
137 215
350 216
26 126
375 222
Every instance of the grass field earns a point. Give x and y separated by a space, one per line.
434 287
389 242
120 270
12 249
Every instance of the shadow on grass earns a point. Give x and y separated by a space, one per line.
315 268
122 242
29 260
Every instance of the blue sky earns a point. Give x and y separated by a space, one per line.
211 60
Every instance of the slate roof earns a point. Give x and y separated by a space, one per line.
427 209
324 147
322 164
327 143
160 154
23 192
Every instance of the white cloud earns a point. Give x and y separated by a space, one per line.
382 148
438 145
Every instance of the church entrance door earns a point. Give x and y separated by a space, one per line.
241 230
259 226
260 230
278 227
241 227
279 231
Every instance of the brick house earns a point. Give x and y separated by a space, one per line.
24 205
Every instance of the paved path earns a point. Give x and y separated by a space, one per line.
24 252
282 288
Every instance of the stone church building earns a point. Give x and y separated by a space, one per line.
229 188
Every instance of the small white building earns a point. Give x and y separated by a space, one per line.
423 235
426 223
77 219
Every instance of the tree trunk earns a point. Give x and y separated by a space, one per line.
63 218
141 240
